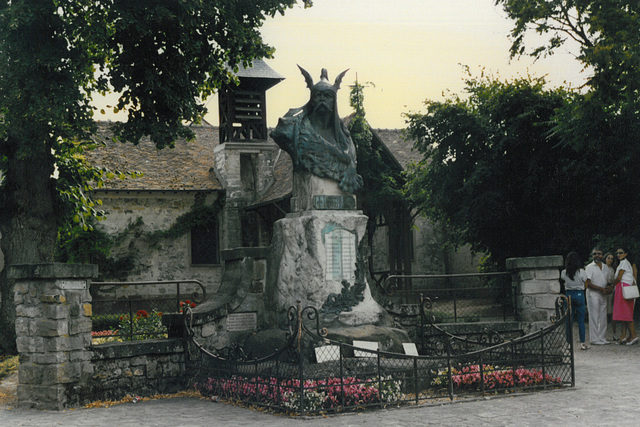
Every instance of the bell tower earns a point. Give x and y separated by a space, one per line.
242 108
244 158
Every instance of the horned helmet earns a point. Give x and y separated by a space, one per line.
322 89
323 84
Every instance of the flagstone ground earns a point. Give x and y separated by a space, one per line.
606 394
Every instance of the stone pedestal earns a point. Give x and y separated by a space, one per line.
53 327
537 284
312 253
311 192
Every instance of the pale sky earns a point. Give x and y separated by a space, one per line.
411 50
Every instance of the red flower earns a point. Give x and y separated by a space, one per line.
187 302
193 305
142 313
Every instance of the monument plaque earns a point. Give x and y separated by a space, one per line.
242 322
71 284
340 251
334 202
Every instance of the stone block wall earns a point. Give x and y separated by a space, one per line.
59 367
537 284
171 260
138 368
53 327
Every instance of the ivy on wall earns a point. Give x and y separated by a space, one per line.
118 255
199 214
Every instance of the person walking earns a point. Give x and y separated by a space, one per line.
623 308
597 298
575 278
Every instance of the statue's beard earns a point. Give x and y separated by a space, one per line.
323 107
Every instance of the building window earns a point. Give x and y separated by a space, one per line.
205 247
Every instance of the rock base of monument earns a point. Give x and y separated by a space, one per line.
313 259
389 339
264 343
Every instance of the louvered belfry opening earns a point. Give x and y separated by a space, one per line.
242 107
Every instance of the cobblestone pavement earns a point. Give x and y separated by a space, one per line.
606 394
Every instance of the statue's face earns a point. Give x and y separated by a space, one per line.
323 99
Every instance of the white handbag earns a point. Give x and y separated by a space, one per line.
630 292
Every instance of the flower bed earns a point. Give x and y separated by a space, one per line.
469 378
143 326
319 395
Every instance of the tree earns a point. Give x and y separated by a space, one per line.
603 123
495 173
383 182
607 33
161 56
381 194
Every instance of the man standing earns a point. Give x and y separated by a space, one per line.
596 298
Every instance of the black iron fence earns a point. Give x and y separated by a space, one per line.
124 311
461 298
312 374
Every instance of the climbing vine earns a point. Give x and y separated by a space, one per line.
382 183
199 214
117 254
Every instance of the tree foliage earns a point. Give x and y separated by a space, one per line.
520 170
162 57
494 172
603 123
382 182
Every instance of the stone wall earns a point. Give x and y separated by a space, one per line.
59 368
537 284
171 258
138 368
429 253
53 327
245 170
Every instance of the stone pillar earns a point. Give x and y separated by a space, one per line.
536 282
53 327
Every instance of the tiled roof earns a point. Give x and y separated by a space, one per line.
401 149
188 166
259 69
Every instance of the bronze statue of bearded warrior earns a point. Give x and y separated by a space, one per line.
315 137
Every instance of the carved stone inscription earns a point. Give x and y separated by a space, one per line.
323 202
340 251
242 322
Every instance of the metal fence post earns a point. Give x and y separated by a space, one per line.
415 378
341 375
544 365
449 371
379 378
481 367
513 364
300 361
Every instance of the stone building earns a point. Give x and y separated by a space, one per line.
224 190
